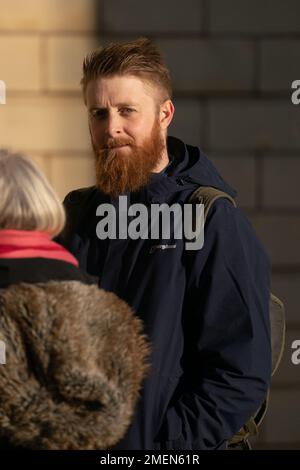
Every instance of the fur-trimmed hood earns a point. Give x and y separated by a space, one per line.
75 360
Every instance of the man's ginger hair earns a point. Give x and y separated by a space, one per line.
140 58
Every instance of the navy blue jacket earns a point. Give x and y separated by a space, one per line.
205 311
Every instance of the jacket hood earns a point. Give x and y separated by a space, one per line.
190 168
194 166
75 359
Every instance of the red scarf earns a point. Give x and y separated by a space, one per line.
32 244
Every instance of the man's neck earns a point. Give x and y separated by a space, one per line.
164 161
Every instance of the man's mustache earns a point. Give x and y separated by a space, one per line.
115 143
108 152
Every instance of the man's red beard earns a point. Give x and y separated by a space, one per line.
128 169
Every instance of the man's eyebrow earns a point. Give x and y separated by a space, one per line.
127 104
118 105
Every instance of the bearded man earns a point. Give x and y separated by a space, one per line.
205 311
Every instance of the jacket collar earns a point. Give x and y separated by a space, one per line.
32 244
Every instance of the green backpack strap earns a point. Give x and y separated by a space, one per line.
278 329
207 195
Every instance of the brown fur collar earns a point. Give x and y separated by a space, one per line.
75 360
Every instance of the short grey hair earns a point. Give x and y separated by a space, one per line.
27 202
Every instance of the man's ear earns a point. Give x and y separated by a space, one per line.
166 113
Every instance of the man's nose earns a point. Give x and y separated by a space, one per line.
113 125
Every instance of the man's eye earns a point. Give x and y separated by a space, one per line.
127 110
98 113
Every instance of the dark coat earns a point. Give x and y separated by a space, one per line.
75 358
205 311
